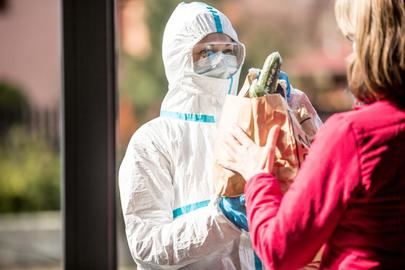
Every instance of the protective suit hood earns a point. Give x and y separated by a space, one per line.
191 94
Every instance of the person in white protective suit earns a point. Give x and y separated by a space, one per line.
165 178
171 214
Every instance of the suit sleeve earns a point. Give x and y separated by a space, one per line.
157 240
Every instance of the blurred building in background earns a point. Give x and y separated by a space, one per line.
30 90
30 60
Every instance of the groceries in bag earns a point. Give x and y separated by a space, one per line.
259 106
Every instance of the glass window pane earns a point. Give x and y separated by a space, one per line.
30 87
304 32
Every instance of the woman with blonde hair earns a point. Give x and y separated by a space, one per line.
349 195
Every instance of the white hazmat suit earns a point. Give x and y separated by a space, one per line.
165 179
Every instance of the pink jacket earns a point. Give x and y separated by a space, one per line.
348 195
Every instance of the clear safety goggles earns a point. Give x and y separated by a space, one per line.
205 50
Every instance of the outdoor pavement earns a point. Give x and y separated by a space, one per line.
34 241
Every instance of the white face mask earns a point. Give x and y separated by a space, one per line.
217 65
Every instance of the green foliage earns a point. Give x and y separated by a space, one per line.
29 173
142 86
11 97
12 105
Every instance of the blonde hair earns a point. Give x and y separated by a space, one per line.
377 68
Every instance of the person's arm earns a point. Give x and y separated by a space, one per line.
157 240
288 230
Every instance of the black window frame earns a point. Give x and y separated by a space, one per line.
88 134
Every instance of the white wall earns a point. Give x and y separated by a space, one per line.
30 38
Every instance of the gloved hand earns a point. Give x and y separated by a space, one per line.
284 86
235 210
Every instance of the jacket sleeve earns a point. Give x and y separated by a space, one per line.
157 240
288 230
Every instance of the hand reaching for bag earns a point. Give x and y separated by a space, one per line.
247 158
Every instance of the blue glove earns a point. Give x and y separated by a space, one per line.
235 210
284 77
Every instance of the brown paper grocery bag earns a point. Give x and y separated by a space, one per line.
256 116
